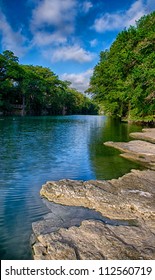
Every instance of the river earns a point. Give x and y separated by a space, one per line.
34 150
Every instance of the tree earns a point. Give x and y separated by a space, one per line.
37 90
124 79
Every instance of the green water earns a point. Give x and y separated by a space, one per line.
36 149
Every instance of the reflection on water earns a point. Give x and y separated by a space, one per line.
36 149
106 162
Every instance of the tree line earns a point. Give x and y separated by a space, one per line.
36 90
123 81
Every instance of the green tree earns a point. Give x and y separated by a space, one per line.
124 79
37 90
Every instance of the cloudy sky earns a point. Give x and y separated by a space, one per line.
66 35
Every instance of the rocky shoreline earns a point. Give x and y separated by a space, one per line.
94 220
141 151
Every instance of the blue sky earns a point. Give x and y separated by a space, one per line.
66 35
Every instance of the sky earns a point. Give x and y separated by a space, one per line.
66 35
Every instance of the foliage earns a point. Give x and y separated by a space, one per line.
124 79
36 90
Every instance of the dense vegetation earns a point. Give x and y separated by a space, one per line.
124 79
35 90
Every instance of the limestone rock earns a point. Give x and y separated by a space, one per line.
123 227
136 150
113 199
94 240
147 134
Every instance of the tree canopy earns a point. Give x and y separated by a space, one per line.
124 79
37 90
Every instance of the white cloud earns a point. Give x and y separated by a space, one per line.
55 12
45 38
87 5
136 11
73 53
56 16
78 81
93 43
11 40
120 20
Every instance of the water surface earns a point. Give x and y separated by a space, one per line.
36 149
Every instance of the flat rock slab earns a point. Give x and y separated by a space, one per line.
94 240
107 197
125 229
136 150
147 134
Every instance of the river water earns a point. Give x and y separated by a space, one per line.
34 150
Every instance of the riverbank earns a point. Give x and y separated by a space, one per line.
122 225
